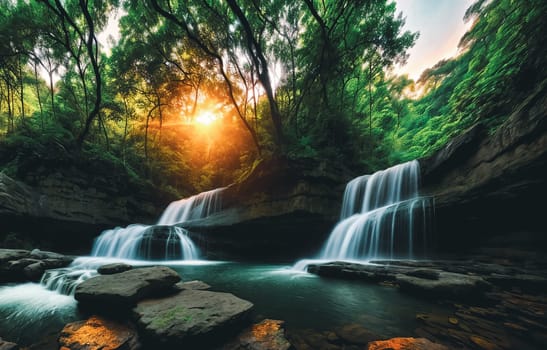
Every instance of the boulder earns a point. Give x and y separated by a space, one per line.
449 285
191 318
21 265
124 289
405 344
97 333
110 269
35 270
266 335
40 254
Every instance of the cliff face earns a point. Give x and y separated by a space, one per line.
484 186
66 212
488 185
283 208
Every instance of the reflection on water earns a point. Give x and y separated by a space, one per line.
29 311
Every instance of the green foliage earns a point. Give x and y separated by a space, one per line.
504 59
130 116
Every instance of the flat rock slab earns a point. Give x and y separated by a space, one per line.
126 288
191 318
97 333
405 344
266 335
110 269
448 285
193 285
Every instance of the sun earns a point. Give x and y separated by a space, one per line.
205 118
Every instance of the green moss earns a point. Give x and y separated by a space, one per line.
178 314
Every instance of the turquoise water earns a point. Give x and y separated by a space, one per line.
29 311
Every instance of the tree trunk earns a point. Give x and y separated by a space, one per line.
38 94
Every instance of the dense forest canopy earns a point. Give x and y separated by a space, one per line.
195 91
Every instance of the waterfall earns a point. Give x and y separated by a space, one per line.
382 216
163 241
195 207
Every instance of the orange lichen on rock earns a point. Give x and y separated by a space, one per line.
97 333
266 335
405 344
266 329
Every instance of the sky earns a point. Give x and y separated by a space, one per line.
441 25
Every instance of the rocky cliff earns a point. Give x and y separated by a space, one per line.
65 212
283 208
487 185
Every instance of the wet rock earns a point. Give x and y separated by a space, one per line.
41 255
266 335
35 270
21 265
195 318
110 269
527 282
13 254
424 273
192 285
449 285
6 345
483 343
405 344
126 288
364 272
309 339
356 334
97 333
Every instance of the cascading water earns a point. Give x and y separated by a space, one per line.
163 241
382 217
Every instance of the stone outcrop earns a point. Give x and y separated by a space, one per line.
485 184
64 211
110 269
282 208
265 335
98 333
448 285
195 318
439 279
123 290
405 344
18 265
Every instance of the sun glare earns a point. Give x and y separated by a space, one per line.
205 118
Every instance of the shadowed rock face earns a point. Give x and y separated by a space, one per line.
282 209
55 207
484 184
